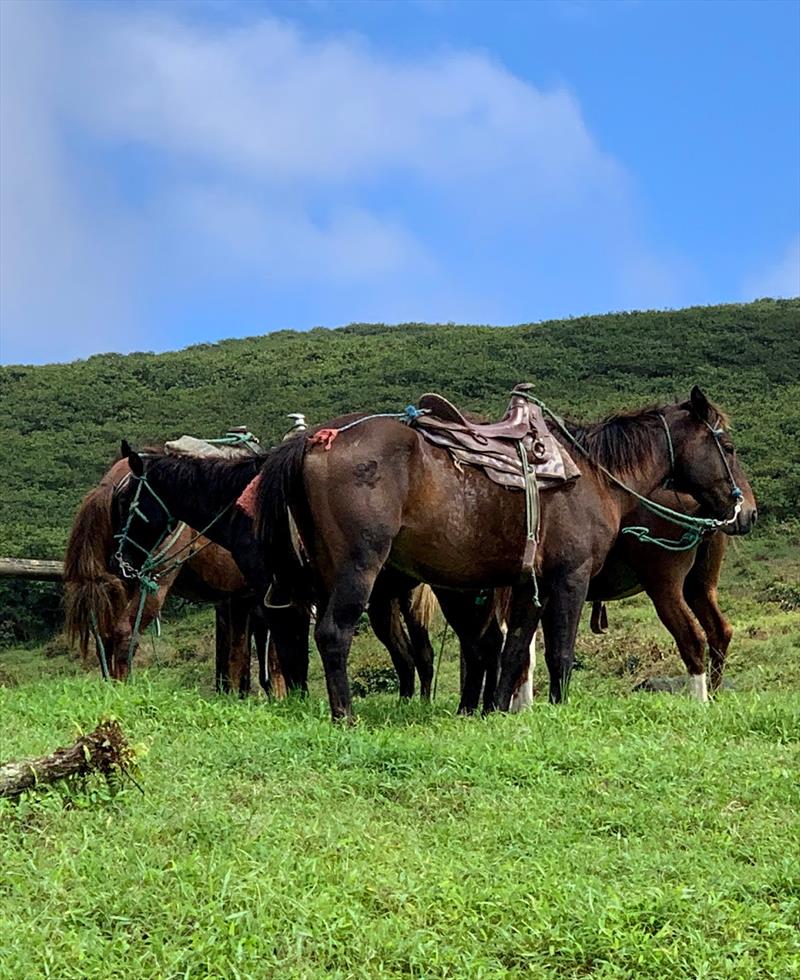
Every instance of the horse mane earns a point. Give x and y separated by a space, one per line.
625 442
90 589
203 476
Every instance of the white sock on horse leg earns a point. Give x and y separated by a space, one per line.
698 687
523 696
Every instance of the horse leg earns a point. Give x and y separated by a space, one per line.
384 617
523 696
258 636
336 625
700 592
481 640
421 649
490 652
523 618
567 590
239 646
288 649
223 647
675 614
718 631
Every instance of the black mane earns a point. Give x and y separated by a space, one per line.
220 479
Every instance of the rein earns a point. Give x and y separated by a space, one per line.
693 527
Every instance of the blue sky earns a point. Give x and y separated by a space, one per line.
173 173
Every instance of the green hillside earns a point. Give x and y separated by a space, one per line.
60 424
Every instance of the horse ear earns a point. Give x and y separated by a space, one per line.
135 462
700 404
125 449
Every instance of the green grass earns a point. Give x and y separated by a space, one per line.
618 836
643 836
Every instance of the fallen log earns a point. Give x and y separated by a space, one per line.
104 750
32 568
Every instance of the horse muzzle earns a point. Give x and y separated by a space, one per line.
745 521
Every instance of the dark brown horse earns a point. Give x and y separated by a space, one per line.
201 490
686 446
103 604
382 495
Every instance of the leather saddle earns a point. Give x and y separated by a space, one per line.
494 446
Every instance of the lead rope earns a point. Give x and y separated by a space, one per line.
101 650
532 511
150 571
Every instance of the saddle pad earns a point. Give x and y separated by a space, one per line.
506 468
192 446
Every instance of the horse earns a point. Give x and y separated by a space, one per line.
102 603
203 492
681 584
382 495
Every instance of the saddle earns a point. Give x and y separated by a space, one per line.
236 442
494 446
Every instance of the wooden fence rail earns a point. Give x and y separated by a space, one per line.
32 568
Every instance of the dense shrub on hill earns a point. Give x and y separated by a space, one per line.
60 425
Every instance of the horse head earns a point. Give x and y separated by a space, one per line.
140 518
705 463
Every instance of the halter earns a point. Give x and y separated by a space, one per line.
736 492
128 570
716 431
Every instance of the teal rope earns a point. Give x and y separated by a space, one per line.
150 564
245 439
409 415
694 527
531 509
101 650
146 588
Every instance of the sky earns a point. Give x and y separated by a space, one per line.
174 173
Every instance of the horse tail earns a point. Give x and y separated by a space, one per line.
423 605
501 600
280 486
93 595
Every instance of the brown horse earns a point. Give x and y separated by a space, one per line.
200 491
382 495
103 604
681 584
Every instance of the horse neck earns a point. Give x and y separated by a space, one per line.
178 488
644 482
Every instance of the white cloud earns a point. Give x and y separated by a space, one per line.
62 284
260 152
781 280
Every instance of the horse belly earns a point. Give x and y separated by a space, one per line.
464 532
615 580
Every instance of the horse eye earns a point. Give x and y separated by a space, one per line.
728 448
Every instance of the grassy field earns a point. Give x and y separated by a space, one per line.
619 836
